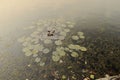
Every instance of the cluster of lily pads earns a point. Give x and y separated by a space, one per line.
38 44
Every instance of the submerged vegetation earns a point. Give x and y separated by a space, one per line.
63 53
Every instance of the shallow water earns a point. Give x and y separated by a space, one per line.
97 19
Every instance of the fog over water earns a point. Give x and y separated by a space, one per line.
17 14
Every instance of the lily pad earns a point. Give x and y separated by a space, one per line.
28 53
92 76
46 50
61 53
82 37
47 41
37 59
74 54
83 49
55 58
42 64
75 37
63 77
80 33
58 42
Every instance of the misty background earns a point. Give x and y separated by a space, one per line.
15 14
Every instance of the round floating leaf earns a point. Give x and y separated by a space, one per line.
63 25
61 53
92 76
25 49
37 59
66 49
70 26
63 33
42 64
35 55
46 50
75 37
59 42
28 53
55 58
63 77
71 46
61 37
77 47
74 54
47 41
80 33
83 49
82 37
67 30
34 51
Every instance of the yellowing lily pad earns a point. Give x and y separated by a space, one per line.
82 37
47 41
37 59
74 54
42 64
55 58
83 49
80 33
59 42
75 37
46 50
92 76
